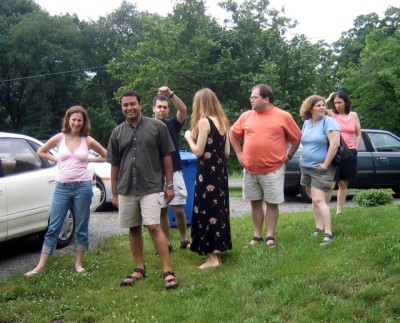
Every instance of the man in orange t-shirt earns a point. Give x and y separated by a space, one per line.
266 132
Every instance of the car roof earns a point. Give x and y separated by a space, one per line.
380 131
19 136
374 130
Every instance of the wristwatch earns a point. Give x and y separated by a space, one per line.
289 156
170 186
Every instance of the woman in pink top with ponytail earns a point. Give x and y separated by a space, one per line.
350 130
73 184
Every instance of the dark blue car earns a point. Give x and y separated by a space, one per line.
378 165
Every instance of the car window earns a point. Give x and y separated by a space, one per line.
362 145
17 156
384 142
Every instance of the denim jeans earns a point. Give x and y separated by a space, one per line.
76 196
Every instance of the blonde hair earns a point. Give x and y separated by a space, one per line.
205 104
308 104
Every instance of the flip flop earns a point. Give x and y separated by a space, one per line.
31 273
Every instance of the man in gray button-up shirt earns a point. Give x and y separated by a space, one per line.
139 151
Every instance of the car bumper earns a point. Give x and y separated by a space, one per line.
95 199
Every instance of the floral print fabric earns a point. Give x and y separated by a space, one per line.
211 232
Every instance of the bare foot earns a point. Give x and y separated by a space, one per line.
210 264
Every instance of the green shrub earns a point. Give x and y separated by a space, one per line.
373 197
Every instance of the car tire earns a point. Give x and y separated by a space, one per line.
103 197
68 230
291 191
305 192
396 190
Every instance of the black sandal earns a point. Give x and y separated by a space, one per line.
172 282
316 232
185 244
328 238
257 240
270 245
131 279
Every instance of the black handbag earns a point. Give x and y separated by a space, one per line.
343 154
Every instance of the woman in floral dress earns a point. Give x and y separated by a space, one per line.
208 139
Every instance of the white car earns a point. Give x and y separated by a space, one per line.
102 171
27 184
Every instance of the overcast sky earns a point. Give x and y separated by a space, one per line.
318 19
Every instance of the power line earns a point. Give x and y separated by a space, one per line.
50 74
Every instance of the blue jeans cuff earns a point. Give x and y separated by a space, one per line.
49 249
82 247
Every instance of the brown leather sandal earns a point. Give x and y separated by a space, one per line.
131 279
171 282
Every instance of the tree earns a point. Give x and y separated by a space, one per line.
375 83
47 64
294 68
182 50
11 13
106 40
350 45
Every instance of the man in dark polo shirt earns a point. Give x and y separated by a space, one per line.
174 124
139 151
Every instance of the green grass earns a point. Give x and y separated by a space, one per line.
356 278
235 192
236 175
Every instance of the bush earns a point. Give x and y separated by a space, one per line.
373 197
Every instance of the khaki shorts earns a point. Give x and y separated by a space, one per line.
267 187
180 191
136 210
321 179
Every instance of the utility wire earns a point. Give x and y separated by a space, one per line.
50 74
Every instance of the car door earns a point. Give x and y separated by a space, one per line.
29 185
365 164
386 157
3 211
3 202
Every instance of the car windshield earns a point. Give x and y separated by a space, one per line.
93 153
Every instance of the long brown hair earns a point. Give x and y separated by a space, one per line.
347 101
205 104
86 127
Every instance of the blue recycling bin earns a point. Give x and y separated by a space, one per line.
189 168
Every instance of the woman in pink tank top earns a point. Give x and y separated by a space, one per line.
73 189
350 130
